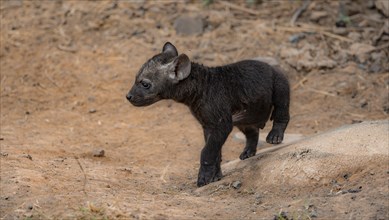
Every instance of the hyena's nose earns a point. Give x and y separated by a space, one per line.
129 96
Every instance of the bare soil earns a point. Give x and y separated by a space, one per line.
67 65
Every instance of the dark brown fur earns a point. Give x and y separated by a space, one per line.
242 94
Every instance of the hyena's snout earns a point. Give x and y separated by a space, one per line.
129 96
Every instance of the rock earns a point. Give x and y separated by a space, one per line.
187 25
91 98
355 36
236 184
340 30
27 156
30 206
326 63
317 15
326 156
289 52
358 48
269 60
359 189
288 138
370 4
92 110
282 216
375 67
295 38
98 153
361 51
346 87
383 6
341 57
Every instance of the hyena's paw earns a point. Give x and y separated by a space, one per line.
209 174
275 136
247 152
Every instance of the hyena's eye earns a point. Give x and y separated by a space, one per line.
145 85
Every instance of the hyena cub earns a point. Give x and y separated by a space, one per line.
241 94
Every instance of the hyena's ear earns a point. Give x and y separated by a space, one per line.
182 68
170 49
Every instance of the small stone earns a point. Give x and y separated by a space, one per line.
187 25
313 214
383 6
317 15
236 184
361 51
92 110
358 48
355 36
30 207
340 30
363 103
91 98
27 156
370 4
99 153
295 38
359 189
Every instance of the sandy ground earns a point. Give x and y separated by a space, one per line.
67 65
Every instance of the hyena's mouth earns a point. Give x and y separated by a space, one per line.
137 101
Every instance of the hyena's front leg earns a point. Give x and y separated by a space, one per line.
210 170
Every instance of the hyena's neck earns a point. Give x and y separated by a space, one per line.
190 90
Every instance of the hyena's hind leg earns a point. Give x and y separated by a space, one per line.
252 134
280 114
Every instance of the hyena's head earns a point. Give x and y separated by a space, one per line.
157 75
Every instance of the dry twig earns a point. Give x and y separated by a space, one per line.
314 30
321 92
299 12
240 8
83 172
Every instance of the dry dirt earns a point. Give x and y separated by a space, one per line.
67 65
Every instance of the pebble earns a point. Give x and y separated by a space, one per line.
99 153
317 15
340 30
295 38
355 36
383 6
92 110
236 184
27 156
30 207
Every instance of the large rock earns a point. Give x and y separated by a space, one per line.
318 159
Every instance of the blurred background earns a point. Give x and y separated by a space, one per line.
68 135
